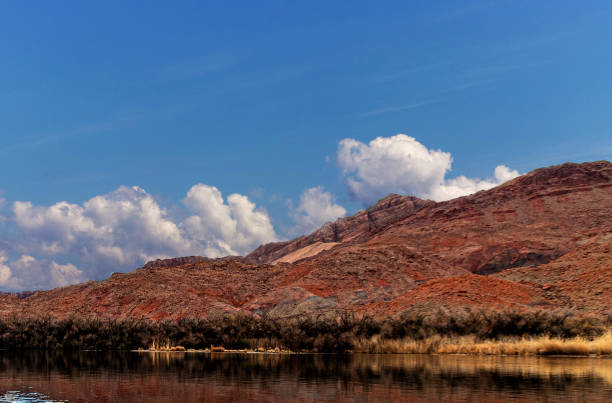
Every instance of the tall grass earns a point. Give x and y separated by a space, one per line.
465 331
541 345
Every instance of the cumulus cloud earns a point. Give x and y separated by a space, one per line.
62 275
125 228
316 207
401 164
5 270
225 228
29 272
461 185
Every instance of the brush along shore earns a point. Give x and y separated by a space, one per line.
543 345
459 332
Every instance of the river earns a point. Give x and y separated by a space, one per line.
39 376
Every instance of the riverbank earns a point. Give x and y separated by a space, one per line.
534 346
463 332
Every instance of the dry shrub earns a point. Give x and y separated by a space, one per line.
460 332
543 345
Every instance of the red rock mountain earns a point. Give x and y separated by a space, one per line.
540 241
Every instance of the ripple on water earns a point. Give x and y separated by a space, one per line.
17 396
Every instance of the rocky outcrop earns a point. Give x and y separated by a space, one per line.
356 228
540 241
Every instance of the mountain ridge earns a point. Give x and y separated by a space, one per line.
524 245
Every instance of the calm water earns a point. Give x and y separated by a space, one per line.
179 377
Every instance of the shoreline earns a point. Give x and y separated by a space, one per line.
600 347
606 356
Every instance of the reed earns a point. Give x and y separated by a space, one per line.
542 345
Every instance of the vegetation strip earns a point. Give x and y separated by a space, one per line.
461 332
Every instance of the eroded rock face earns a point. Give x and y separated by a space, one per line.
540 241
356 228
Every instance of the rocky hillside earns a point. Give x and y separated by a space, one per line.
540 241
358 227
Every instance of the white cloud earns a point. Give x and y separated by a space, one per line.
5 270
62 275
504 174
225 228
123 229
400 164
315 209
461 186
28 272
126 226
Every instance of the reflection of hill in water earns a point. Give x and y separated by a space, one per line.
165 377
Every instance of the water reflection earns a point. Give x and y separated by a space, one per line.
185 377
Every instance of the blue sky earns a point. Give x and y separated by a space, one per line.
255 99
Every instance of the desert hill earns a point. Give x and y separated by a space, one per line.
540 241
